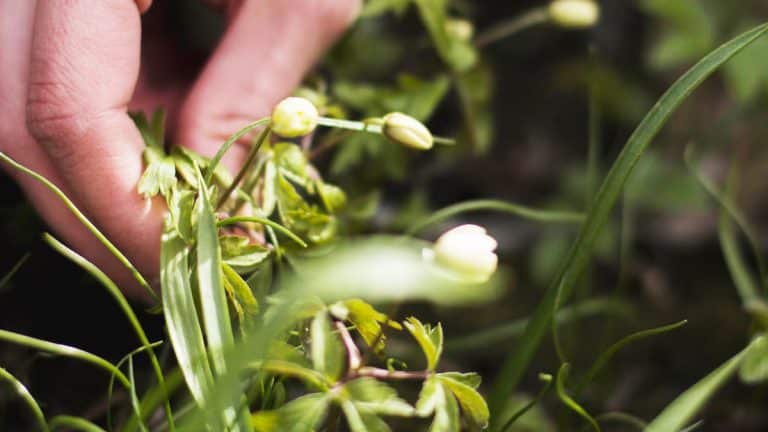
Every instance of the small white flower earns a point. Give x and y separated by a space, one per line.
406 130
466 251
574 13
294 117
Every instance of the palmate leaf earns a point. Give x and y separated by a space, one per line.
430 340
299 415
366 319
578 258
374 396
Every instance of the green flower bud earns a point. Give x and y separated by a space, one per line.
467 251
406 130
574 13
294 117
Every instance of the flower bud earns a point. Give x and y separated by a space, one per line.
460 29
294 117
574 13
406 130
467 251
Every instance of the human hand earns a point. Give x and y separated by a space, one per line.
70 70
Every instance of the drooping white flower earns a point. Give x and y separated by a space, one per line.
574 13
406 130
468 252
294 117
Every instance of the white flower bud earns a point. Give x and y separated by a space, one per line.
294 117
574 13
461 29
467 251
406 130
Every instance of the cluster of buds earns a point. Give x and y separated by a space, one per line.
466 252
297 116
574 13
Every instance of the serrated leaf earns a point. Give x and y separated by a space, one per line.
472 403
430 340
181 207
159 177
471 379
241 298
366 319
327 352
299 415
754 368
377 397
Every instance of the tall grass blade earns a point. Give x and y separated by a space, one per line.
677 414
579 255
574 406
85 221
65 351
12 272
181 317
498 206
606 356
70 423
110 388
27 397
115 292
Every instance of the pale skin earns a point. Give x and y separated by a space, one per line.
70 71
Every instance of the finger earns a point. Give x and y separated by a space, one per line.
268 47
84 64
16 23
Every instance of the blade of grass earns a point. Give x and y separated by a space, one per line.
85 221
580 253
65 351
547 379
613 349
504 332
677 414
110 387
71 423
228 143
115 292
25 396
499 206
213 298
249 160
181 316
12 272
134 399
562 375
154 397
748 290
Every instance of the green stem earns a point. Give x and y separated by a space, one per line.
246 166
264 221
228 143
495 205
84 220
512 26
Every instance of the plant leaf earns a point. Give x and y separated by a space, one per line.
430 340
299 415
472 403
366 319
376 397
754 367
25 396
327 351
677 414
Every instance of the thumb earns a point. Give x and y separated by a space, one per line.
267 49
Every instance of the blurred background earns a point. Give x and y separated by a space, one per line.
524 115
